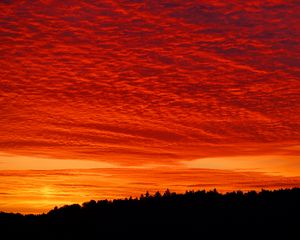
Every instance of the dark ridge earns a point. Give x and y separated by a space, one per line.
193 215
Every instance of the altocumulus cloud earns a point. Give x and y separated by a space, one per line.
137 82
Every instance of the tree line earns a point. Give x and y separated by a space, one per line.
240 215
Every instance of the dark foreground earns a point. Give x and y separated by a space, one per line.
193 215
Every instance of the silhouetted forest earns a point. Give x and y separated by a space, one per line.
193 215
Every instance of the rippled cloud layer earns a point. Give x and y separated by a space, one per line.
150 82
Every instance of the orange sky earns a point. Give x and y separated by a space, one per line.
165 86
36 191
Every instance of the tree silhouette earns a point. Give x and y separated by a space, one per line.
267 214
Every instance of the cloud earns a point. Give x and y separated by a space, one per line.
134 82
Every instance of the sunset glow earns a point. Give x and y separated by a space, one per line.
109 99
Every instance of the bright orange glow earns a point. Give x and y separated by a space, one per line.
38 191
183 85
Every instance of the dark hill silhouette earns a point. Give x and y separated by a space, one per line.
193 215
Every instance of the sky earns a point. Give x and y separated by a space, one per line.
107 99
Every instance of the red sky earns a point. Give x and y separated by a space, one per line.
184 85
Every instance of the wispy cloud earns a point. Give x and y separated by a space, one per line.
39 191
